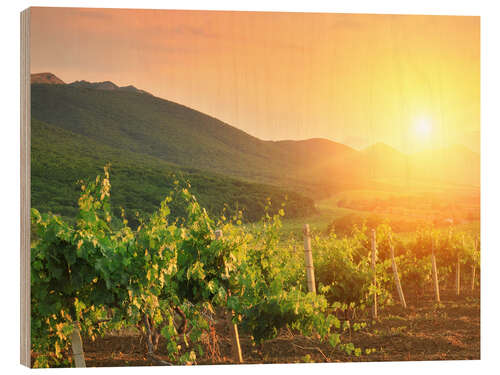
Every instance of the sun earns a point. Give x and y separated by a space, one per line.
423 127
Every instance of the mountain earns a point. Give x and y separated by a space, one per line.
383 161
180 135
50 78
61 158
449 165
107 85
315 151
46 78
380 150
137 131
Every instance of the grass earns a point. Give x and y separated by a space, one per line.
329 211
318 222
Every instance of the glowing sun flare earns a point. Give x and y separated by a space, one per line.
423 128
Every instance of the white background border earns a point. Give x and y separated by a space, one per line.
490 181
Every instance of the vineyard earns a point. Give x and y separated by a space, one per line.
193 289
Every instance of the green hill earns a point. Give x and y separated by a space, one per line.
59 158
148 125
79 127
140 123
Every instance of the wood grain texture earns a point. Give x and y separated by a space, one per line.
25 178
233 328
311 283
397 281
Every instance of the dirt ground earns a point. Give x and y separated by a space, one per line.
423 331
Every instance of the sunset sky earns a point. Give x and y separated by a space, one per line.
409 81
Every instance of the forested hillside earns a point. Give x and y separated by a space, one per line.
60 158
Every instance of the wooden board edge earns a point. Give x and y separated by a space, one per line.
25 191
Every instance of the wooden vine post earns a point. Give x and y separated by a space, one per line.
435 272
473 277
77 346
396 276
311 284
374 259
235 338
457 283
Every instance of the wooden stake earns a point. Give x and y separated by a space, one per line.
458 269
473 277
396 277
235 338
435 274
77 346
311 284
233 328
374 259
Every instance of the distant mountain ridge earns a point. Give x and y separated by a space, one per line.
52 79
177 134
46 78
107 85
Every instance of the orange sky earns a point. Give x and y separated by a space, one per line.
355 79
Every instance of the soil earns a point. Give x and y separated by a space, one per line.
422 332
